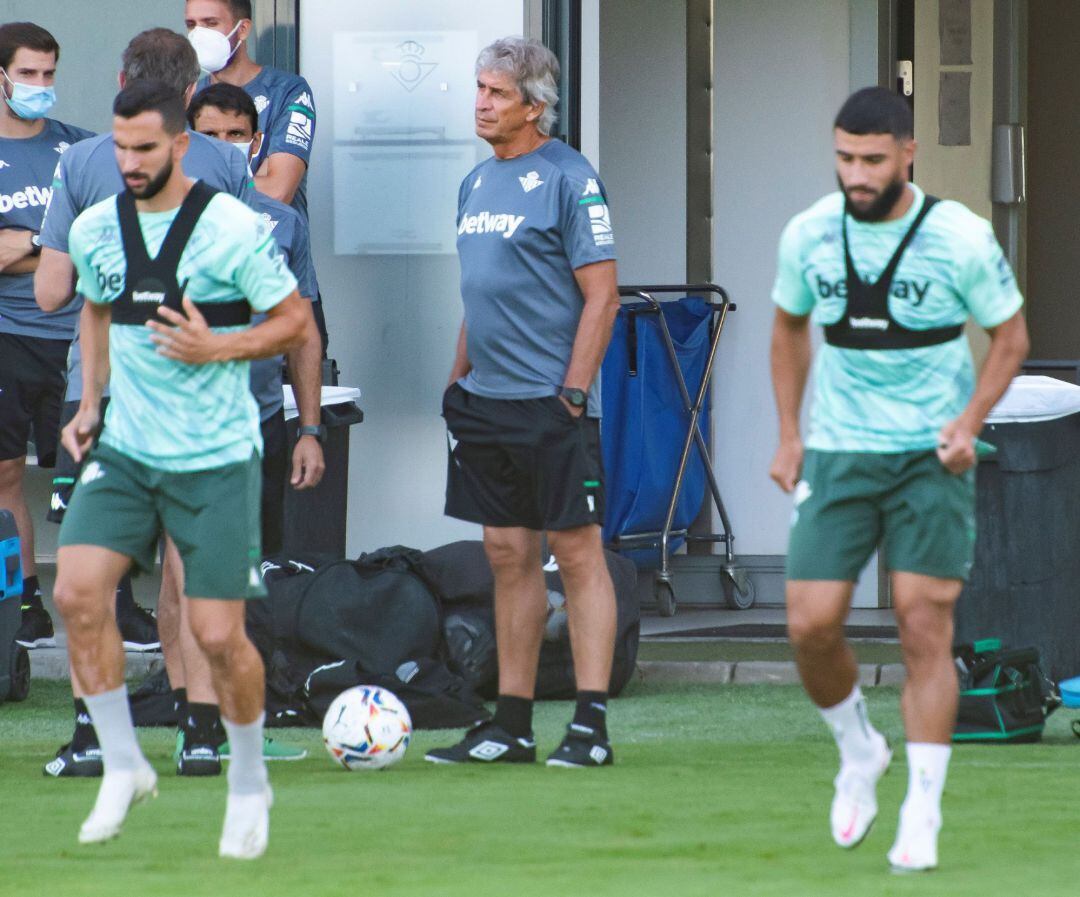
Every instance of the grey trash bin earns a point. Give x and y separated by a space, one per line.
315 518
1025 585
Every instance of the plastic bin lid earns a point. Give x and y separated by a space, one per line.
331 395
1035 398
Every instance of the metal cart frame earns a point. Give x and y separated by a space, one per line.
737 585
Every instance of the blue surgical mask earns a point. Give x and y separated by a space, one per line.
30 101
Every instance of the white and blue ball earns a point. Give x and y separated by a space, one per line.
367 727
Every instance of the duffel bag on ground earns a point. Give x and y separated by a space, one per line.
1005 697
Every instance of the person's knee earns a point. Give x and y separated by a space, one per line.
505 552
79 604
926 631
11 474
812 626
218 641
577 552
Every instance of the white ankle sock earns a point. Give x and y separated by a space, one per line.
928 765
857 739
111 715
247 769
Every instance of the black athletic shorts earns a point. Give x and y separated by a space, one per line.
32 383
522 462
275 469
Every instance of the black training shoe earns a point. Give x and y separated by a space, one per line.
70 762
138 629
36 630
486 743
196 759
582 747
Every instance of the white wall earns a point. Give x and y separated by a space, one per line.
781 74
643 135
393 319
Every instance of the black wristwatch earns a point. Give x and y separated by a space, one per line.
318 431
577 398
35 243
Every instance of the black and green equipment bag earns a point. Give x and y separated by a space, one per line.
1005 696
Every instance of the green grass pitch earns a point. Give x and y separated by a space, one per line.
715 791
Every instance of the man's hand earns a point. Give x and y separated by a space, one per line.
308 464
956 447
78 436
190 340
787 464
574 412
14 246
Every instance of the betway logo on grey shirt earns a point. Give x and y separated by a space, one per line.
524 226
87 174
26 176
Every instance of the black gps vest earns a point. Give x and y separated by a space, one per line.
151 282
867 322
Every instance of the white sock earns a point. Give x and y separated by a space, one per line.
928 765
111 715
247 769
857 739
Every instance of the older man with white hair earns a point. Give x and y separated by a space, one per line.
522 406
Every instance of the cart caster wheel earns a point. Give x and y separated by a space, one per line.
739 589
20 675
665 598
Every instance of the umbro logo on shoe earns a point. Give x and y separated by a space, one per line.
598 755
489 750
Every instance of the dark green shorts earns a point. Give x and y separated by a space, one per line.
849 503
211 515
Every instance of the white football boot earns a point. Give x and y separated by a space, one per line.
119 791
247 825
854 805
915 849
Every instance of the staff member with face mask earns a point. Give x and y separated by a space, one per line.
33 345
219 32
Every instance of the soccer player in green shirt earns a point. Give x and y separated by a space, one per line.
891 275
172 271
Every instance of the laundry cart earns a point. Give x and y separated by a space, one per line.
655 398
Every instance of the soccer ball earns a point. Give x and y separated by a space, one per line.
367 727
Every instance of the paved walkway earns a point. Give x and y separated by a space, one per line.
666 658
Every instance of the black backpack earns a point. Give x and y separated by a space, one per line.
1005 697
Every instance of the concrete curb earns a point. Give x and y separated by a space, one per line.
52 663
752 672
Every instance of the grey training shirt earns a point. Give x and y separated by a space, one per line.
88 174
286 110
26 175
291 235
524 226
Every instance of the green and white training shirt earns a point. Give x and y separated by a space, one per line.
164 413
893 400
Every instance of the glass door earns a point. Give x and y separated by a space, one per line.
394 87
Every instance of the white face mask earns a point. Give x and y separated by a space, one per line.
245 148
212 47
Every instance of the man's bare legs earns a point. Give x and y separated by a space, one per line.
816 611
86 582
238 680
924 613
